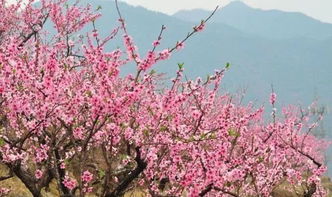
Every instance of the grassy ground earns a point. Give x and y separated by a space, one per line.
18 189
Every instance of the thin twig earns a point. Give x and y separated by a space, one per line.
159 36
194 31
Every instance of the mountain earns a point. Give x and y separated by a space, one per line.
289 50
267 23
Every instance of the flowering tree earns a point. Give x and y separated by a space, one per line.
68 116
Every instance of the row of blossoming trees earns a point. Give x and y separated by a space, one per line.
67 116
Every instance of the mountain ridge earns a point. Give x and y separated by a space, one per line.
274 24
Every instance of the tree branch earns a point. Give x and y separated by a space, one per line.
141 165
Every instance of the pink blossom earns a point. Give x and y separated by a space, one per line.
62 165
78 133
87 176
4 191
180 45
87 189
165 54
273 98
200 27
38 174
69 183
156 43
95 34
41 153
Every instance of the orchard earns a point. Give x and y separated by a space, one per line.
69 117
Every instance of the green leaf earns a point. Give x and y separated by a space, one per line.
163 128
123 125
66 67
101 173
191 139
228 65
213 136
99 8
2 142
233 133
169 117
123 156
203 136
152 72
180 65
260 159
146 132
228 184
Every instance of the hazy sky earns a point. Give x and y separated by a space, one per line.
319 9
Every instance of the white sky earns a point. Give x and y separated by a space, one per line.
319 9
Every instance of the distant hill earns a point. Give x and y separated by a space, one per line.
266 23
